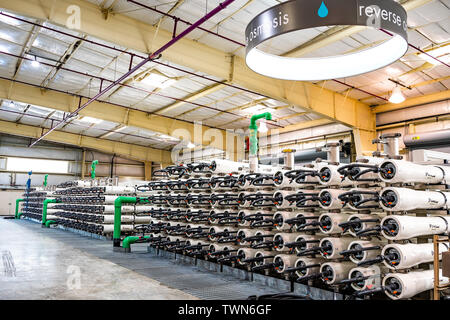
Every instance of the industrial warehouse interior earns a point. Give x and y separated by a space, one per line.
257 150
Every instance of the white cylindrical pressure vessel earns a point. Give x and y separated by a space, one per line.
280 200
406 227
129 219
334 272
119 189
404 199
400 171
280 217
243 234
222 166
329 176
311 266
363 199
216 229
109 228
329 222
280 239
363 222
243 201
242 214
363 255
125 209
406 285
403 256
268 257
307 242
329 199
284 262
307 221
245 253
287 178
331 247
373 281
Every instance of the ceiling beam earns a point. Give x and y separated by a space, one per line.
301 125
339 32
412 86
130 151
65 102
131 33
421 100
192 97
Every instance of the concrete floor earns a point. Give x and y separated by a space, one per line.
42 263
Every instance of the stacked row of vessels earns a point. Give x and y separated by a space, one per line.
363 226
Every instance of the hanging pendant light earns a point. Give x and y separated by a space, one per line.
397 96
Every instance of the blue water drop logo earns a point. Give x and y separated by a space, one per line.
323 10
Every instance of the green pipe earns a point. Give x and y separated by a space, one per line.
45 180
94 164
17 214
49 222
130 240
118 215
44 210
254 131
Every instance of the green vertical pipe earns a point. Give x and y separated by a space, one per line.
45 180
94 164
17 215
118 216
44 210
254 131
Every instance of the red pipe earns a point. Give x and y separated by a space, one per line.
418 49
154 55
350 86
81 126
175 18
127 86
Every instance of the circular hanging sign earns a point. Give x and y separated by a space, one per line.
296 15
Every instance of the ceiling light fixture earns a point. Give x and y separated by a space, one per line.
263 127
397 96
296 15
35 63
190 145
158 81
